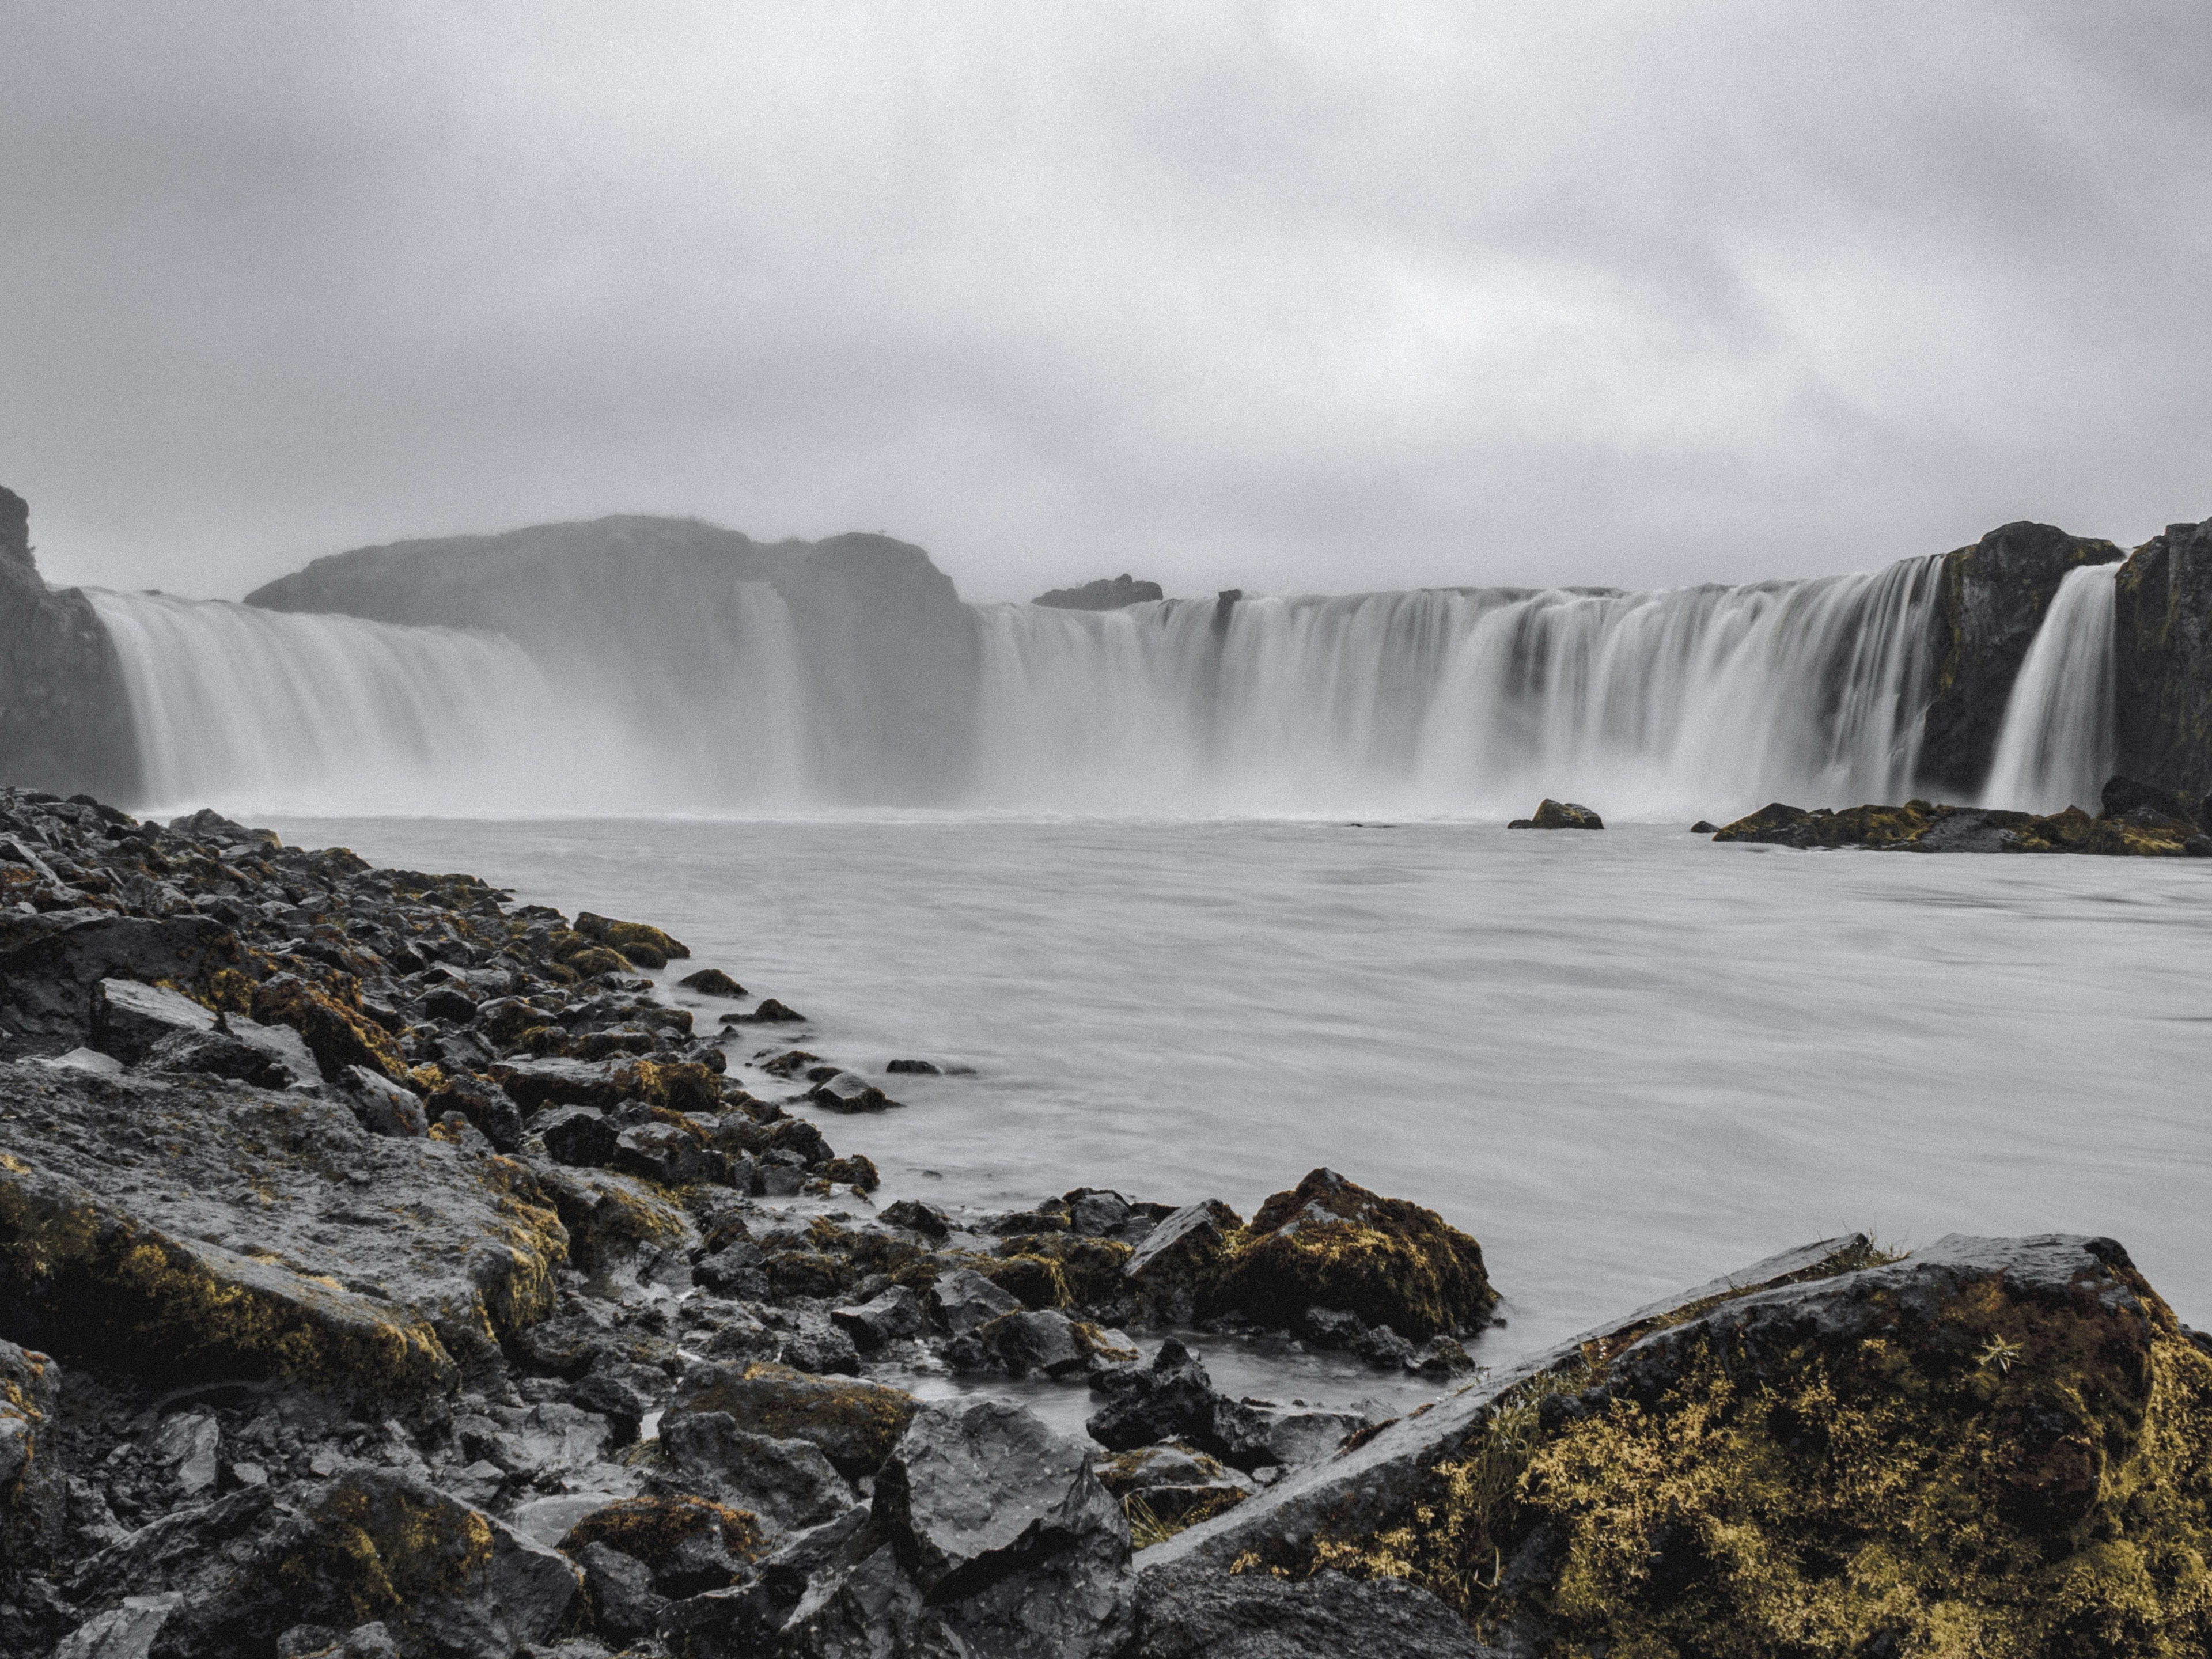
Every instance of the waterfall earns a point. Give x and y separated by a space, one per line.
310 713
2057 745
1704 700
1692 701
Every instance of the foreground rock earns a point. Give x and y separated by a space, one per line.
2168 829
1994 1446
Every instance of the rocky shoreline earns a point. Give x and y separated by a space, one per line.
390 1268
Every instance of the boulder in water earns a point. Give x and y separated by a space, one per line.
712 982
649 947
1559 815
1704 827
1329 1242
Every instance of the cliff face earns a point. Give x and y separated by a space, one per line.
1993 598
64 719
2162 640
648 607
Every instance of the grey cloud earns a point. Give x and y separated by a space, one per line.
1281 297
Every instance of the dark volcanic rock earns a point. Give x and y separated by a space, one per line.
1107 594
1991 598
790 1483
2162 661
1201 1613
50 965
1331 1243
856 1424
1559 815
65 713
1978 1427
712 982
1174 1399
33 1492
113 1189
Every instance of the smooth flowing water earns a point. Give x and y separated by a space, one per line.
1625 1060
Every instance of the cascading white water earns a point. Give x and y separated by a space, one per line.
301 712
331 714
2057 745
1704 700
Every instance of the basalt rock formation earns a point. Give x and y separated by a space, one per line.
1992 600
2162 660
64 715
887 649
1107 594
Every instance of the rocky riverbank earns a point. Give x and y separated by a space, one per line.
387 1268
2137 821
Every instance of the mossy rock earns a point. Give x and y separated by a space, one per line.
647 946
1330 1243
337 1034
854 1423
653 1529
1089 1268
1994 1447
1037 1280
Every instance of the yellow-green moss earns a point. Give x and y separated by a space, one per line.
652 1530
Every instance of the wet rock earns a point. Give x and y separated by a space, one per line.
1920 826
1559 815
770 1012
792 1484
623 1601
1331 1243
189 1443
1096 1213
1047 1343
665 1153
649 947
911 1068
108 1206
487 1106
33 1490
443 1577
688 1544
1200 1612
2124 795
226 1053
128 1019
50 965
1174 1399
854 1423
1002 1523
2005 1386
383 1107
822 1347
127 1631
884 1318
1704 827
712 982
912 1213
846 1092
735 1270
963 1300
580 1136
1169 1272
336 1034
445 1003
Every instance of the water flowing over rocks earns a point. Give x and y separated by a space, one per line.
1993 596
388 1271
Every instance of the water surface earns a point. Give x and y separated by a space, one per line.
1625 1061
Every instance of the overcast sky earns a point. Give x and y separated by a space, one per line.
1289 297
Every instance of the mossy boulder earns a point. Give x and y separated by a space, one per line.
1990 600
332 1025
1920 826
1328 1243
647 946
1559 815
34 1493
1993 1447
203 1231
854 1423
374 1544
690 1543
